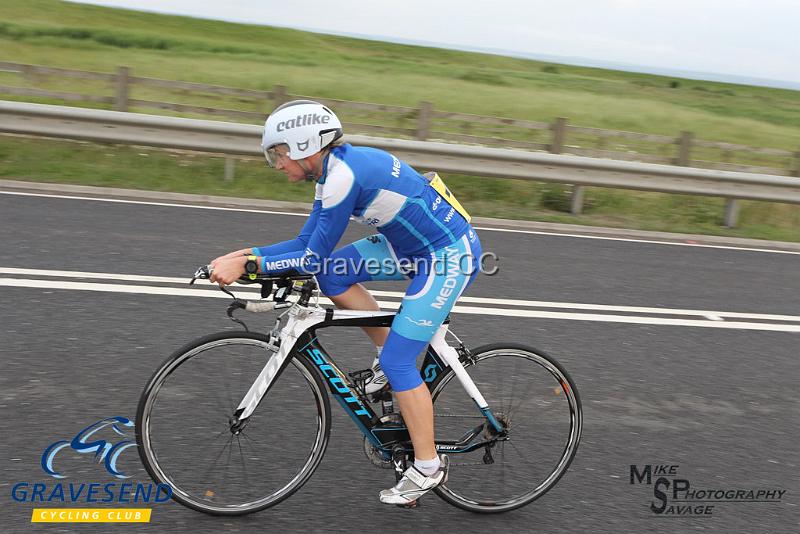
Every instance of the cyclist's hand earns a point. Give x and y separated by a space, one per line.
228 269
235 253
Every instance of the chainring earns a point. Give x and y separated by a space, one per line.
376 456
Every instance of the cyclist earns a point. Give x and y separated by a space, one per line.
423 234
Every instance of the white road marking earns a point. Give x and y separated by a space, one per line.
774 327
634 240
112 288
151 203
171 291
711 315
98 276
482 228
628 309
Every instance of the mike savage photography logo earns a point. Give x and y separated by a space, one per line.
678 497
104 442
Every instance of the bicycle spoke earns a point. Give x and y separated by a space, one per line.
524 457
248 438
214 464
244 467
221 404
513 384
231 406
513 408
503 463
250 446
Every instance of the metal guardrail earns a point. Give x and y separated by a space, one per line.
243 139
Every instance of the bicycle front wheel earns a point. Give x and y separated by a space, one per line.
183 426
537 403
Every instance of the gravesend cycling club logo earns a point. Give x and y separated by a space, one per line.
104 442
675 496
104 451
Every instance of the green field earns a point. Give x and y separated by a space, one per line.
52 33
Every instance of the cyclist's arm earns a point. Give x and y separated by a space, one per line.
235 253
336 205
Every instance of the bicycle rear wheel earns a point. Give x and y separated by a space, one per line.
537 402
183 426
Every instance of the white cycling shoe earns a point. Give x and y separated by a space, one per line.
414 484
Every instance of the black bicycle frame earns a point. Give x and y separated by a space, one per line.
384 436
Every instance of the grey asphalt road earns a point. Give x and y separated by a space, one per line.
723 405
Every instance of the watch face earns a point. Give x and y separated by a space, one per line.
251 267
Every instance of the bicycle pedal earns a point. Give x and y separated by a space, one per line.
384 395
410 506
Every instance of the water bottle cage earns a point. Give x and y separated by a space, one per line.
360 379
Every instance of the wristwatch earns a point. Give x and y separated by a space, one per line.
251 267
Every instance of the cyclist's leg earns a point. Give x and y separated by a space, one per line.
429 299
438 283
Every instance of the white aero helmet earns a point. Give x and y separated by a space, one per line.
304 126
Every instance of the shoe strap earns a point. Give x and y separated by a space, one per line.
415 476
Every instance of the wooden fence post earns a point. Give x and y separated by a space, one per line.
684 143
230 168
559 129
731 212
279 95
29 73
576 202
121 103
797 164
424 120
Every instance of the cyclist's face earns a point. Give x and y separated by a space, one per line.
293 171
278 157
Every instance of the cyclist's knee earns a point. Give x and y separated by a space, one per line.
340 271
332 285
398 361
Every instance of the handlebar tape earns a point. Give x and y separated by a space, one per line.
259 307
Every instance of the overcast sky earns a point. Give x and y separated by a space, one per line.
737 37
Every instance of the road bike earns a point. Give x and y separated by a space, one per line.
236 422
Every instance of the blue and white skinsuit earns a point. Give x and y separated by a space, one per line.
417 228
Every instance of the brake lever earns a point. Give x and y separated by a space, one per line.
203 273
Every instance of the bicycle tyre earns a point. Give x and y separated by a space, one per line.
483 355
197 348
